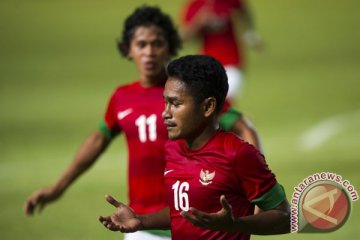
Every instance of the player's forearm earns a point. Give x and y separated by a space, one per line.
190 31
193 28
86 156
275 221
247 132
247 17
251 136
157 220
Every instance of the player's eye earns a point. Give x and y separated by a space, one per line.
176 104
158 43
140 44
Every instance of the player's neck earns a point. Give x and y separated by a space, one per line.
151 81
202 138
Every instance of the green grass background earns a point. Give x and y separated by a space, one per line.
58 66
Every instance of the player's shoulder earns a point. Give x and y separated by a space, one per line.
232 141
229 137
238 149
126 87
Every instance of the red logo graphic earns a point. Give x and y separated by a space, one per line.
325 207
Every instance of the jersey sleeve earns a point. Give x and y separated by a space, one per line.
272 198
108 126
228 119
189 11
256 180
237 4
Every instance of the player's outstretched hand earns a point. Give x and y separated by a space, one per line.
252 39
123 219
39 199
220 221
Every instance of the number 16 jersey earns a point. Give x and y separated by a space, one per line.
225 165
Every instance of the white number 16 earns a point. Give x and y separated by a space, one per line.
181 198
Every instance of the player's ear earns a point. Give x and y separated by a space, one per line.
129 55
209 106
123 49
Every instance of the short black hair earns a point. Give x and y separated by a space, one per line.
148 16
203 75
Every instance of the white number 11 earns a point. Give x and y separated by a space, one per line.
142 123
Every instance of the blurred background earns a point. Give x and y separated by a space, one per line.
59 65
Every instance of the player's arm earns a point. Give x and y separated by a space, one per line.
85 157
193 28
234 121
273 220
125 220
273 217
250 36
193 23
266 222
246 131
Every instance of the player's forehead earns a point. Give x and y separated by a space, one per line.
148 33
176 89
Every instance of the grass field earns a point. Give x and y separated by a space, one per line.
58 65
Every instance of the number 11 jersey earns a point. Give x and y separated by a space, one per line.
136 111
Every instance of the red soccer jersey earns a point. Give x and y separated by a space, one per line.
226 166
136 111
222 45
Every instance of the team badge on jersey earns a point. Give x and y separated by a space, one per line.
206 177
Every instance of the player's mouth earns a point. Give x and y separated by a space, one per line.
169 125
150 65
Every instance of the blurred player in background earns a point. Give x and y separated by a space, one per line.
150 40
213 22
213 178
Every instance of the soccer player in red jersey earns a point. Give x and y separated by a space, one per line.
149 39
213 23
213 178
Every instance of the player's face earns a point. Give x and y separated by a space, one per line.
149 50
182 115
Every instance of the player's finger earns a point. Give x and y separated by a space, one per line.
200 215
191 218
112 201
106 221
29 207
32 204
111 226
225 204
41 207
188 216
103 219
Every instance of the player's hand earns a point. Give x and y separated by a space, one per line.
39 199
252 39
123 219
220 221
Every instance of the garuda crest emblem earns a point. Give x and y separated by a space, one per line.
206 177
